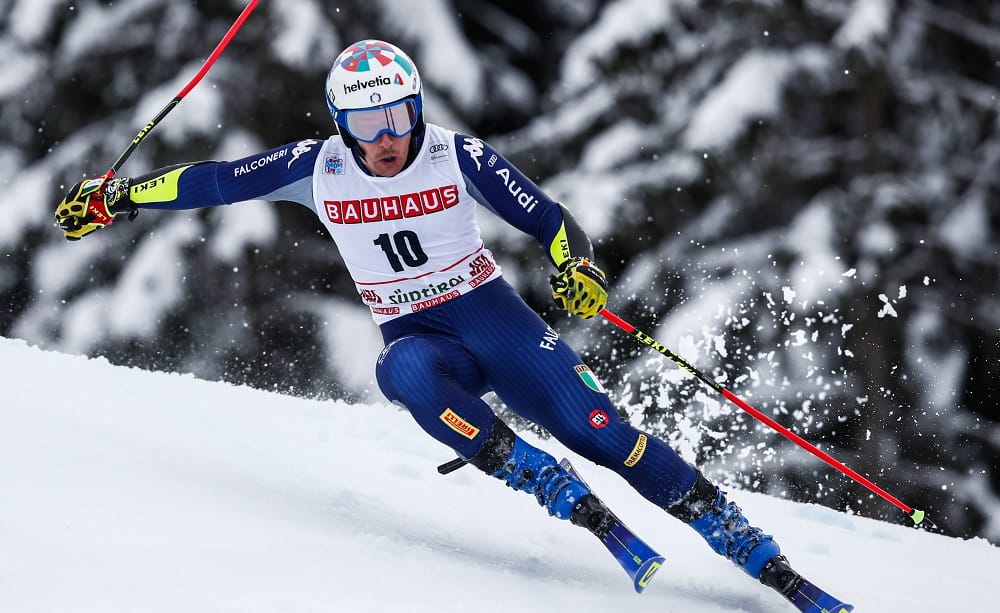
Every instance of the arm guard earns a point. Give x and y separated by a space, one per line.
160 188
570 241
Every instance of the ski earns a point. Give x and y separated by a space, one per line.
638 559
811 599
806 597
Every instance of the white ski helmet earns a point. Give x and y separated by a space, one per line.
374 88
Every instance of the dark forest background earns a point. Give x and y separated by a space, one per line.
800 198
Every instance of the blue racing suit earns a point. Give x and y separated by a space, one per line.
447 343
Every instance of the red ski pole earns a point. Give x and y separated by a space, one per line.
184 92
916 515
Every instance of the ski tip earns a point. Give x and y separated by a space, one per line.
644 574
825 604
828 604
809 598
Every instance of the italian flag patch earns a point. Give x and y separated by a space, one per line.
589 379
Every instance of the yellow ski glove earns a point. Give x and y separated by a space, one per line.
92 204
580 288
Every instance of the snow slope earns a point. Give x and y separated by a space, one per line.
124 490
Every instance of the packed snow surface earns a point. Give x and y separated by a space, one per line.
125 490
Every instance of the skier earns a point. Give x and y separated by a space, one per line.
398 197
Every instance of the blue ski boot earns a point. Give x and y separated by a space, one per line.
723 526
526 468
532 470
729 534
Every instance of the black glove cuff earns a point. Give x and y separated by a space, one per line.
116 196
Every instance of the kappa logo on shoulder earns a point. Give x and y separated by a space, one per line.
302 147
475 148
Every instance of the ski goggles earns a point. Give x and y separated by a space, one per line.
367 125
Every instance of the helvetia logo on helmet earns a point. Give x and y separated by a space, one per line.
360 85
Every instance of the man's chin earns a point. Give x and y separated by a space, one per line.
387 167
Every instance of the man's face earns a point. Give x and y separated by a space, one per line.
387 155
